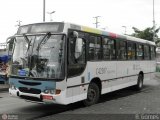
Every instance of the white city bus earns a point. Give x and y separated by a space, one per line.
64 63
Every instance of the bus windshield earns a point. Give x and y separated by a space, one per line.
38 56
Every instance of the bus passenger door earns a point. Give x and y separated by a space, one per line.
76 66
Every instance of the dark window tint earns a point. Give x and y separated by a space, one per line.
76 55
121 50
95 48
153 54
139 52
146 52
108 49
131 50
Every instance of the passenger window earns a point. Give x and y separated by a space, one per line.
139 52
95 48
146 52
153 53
108 49
131 50
121 50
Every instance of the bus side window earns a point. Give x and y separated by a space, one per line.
108 49
153 53
91 48
146 52
131 50
139 50
121 50
95 48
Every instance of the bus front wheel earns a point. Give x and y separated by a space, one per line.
93 95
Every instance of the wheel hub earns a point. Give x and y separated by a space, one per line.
91 95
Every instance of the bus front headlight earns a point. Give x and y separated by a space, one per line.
46 91
52 91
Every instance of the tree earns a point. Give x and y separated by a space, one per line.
146 33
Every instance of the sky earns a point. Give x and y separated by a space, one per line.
113 14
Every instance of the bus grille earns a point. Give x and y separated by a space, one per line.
29 90
31 98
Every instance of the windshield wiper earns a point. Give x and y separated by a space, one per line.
44 39
27 40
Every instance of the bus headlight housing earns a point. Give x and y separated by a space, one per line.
46 91
52 91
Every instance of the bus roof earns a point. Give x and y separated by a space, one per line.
110 34
90 30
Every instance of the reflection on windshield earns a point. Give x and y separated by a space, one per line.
45 62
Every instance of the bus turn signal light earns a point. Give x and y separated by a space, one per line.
58 91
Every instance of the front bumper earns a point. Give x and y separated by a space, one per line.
37 98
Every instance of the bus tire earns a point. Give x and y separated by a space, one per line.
139 85
93 95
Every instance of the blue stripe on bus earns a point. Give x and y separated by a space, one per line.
42 86
89 76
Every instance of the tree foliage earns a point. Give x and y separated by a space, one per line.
146 33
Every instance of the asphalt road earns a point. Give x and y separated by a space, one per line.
120 103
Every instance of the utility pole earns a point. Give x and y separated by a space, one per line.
153 24
44 9
96 21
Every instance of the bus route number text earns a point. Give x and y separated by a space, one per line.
101 70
